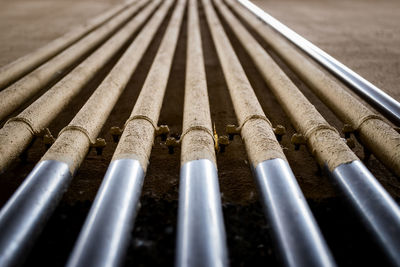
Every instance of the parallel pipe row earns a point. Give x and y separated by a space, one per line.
25 214
105 236
380 100
375 134
201 239
377 209
297 235
18 132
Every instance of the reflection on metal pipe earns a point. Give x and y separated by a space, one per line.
112 215
290 216
372 94
201 237
378 211
21 221
201 233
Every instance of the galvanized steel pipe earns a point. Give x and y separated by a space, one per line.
369 92
377 135
327 146
105 236
299 240
16 69
16 134
21 91
201 237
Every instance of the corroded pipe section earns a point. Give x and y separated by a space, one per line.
299 240
27 63
105 236
372 94
25 214
201 237
377 135
18 132
360 187
24 89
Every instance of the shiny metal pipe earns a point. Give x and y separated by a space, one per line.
384 103
201 237
105 236
295 230
21 221
372 203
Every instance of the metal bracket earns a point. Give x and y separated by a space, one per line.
99 145
297 140
347 130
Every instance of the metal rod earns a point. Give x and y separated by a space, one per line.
104 238
299 240
388 106
21 221
201 239
23 65
378 211
201 232
294 228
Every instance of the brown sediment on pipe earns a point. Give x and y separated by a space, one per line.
197 138
22 90
256 130
323 140
73 142
138 136
18 132
375 134
14 70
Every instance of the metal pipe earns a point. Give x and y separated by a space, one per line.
16 69
19 227
21 91
25 214
201 232
201 239
376 208
104 238
299 240
291 220
372 131
369 92
17 133
327 146
98 246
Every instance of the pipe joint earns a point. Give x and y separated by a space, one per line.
220 142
